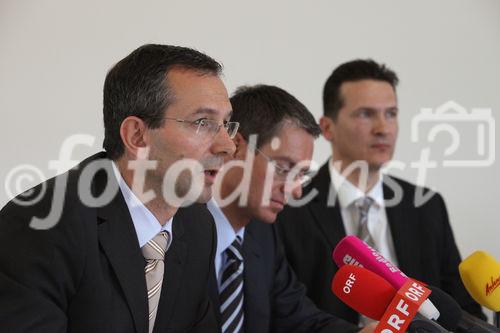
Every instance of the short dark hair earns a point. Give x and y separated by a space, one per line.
137 86
263 109
356 70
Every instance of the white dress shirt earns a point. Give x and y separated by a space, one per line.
225 236
378 226
145 223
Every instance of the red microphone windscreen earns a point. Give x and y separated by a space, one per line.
363 290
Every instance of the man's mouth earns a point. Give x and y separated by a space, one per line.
278 203
381 146
210 175
211 172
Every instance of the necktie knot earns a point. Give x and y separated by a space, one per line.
233 251
363 204
155 248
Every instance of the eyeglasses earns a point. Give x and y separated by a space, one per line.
281 173
209 127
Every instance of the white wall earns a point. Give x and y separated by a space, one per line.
54 56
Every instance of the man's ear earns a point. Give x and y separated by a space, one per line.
134 135
327 126
241 146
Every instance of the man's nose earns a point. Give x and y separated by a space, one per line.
223 144
380 125
293 189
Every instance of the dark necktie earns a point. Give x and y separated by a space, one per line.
231 290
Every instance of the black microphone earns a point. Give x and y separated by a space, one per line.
448 307
421 324
470 324
453 318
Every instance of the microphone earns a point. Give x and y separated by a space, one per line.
454 318
451 313
353 251
480 273
374 297
470 324
364 291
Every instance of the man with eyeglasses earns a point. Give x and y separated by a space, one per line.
253 289
128 259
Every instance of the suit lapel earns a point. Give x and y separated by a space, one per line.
404 226
120 245
213 293
325 208
254 283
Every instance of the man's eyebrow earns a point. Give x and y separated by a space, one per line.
205 111
367 108
372 109
287 159
210 112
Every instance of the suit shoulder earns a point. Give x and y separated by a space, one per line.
407 186
38 200
419 197
62 192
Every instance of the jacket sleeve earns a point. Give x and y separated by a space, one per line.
292 310
39 271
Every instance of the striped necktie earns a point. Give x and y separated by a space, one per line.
363 205
154 253
231 290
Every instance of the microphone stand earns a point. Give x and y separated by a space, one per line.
496 318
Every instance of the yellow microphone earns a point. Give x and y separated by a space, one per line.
480 274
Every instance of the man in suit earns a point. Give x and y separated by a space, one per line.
122 256
350 196
253 288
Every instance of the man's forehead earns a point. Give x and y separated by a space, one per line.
195 82
289 152
369 96
367 88
199 94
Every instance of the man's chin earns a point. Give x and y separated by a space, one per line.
375 167
378 164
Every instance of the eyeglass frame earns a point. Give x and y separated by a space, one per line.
282 172
212 131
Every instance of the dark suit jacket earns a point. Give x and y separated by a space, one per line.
86 274
423 241
274 301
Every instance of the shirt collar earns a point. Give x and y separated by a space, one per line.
225 232
348 192
145 223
